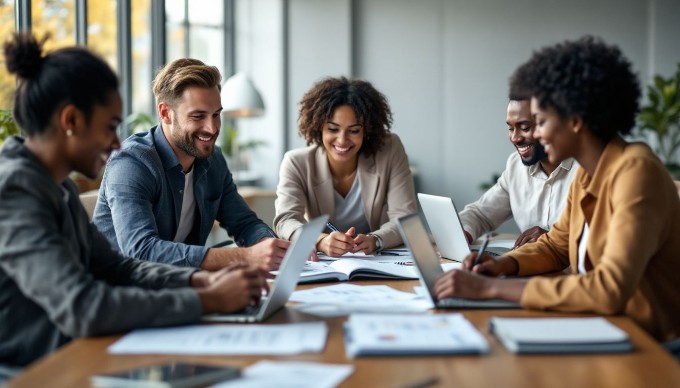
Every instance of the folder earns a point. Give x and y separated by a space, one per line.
560 335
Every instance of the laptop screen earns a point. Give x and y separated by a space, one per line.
418 241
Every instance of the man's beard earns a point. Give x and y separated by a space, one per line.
185 142
539 154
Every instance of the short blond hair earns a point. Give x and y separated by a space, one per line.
172 79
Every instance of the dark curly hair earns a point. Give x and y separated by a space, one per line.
370 106
585 78
47 82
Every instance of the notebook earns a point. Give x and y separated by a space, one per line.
442 218
297 254
427 261
560 335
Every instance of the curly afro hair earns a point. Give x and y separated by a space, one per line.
585 78
370 106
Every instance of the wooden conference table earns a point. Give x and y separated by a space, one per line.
648 366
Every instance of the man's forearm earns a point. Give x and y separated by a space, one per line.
216 258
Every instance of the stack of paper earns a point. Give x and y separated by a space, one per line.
385 335
560 335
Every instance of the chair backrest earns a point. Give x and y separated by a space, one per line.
89 200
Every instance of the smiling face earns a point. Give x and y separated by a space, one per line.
99 139
193 124
342 136
521 129
554 133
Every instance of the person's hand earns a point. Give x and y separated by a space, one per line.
462 284
364 243
468 237
337 244
268 253
232 288
528 236
491 266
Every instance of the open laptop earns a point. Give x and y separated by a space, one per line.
427 261
293 262
442 218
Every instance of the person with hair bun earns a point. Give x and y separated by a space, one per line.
619 230
59 277
354 169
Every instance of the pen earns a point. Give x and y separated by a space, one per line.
428 382
481 250
332 227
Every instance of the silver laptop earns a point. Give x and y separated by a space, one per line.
286 280
427 261
442 218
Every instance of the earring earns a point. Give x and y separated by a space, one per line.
69 132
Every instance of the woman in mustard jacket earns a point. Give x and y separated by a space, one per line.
619 230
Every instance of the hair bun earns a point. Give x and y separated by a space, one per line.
23 55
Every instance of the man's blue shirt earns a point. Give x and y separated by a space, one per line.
140 201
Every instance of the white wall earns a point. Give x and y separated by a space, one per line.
444 66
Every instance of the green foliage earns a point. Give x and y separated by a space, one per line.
230 135
661 117
8 127
484 186
140 121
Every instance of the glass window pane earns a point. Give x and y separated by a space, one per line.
207 45
7 81
101 30
56 17
141 56
206 12
174 29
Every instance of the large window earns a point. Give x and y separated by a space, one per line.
7 81
198 31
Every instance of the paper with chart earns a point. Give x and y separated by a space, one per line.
285 374
343 299
379 334
291 338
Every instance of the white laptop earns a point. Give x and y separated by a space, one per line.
427 261
297 254
442 218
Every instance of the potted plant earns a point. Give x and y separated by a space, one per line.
660 118
8 127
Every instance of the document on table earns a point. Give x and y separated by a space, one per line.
344 299
290 374
378 334
291 338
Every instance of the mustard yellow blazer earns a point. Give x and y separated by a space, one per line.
633 249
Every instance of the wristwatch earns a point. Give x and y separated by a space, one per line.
378 242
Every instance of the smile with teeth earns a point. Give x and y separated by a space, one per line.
341 149
204 138
523 149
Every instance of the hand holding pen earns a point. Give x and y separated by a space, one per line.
337 244
481 251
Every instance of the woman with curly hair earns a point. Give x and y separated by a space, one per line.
619 229
353 169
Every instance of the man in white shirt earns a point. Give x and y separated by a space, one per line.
531 190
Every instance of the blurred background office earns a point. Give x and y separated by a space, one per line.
443 64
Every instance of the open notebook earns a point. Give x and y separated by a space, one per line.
297 254
427 261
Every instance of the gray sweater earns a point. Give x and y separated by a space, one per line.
60 279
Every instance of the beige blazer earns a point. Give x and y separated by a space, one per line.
633 249
305 189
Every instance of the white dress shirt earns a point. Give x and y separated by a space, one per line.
524 193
